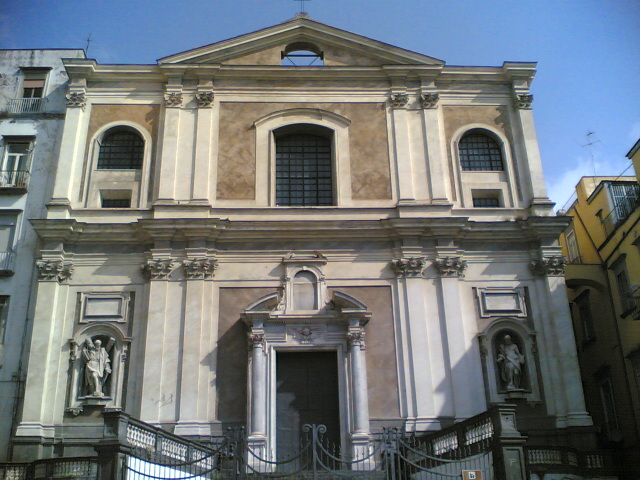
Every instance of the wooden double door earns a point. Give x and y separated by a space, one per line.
306 393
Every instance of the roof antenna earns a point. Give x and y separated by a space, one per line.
591 141
302 12
86 50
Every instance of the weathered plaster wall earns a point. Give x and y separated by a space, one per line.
370 174
232 365
145 115
270 56
381 351
457 117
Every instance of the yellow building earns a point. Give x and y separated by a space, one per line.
602 247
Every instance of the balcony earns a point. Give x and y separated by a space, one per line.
625 205
23 106
7 259
13 182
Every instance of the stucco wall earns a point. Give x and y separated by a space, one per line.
370 175
144 115
232 364
381 352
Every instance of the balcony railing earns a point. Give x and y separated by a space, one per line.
11 180
625 206
26 105
7 260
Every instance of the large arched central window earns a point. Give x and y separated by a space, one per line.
480 153
121 149
304 174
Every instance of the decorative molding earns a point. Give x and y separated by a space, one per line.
49 270
76 100
429 100
356 338
173 99
524 100
409 267
450 266
158 269
256 340
306 335
399 100
204 99
200 267
550 266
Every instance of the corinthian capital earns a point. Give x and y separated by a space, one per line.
256 340
200 267
76 100
409 267
158 269
204 99
524 100
399 100
450 266
173 99
429 100
54 270
550 266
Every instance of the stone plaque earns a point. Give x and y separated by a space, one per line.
101 307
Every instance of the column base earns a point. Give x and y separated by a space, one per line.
363 459
579 419
256 454
193 428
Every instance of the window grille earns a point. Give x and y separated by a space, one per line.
486 202
303 171
116 203
480 153
121 150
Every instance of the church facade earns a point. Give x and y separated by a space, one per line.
236 239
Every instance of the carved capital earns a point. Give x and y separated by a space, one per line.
409 267
158 269
399 100
76 100
173 99
429 100
256 340
550 266
356 339
524 100
204 99
200 267
450 266
49 270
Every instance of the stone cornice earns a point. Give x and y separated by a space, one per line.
148 231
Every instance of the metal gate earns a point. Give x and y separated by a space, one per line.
390 456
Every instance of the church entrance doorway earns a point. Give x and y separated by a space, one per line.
306 393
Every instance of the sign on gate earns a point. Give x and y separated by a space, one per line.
472 475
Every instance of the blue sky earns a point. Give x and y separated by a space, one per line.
588 52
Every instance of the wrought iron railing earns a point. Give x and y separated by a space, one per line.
14 179
624 207
7 260
27 105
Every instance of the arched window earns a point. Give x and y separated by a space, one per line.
121 149
480 153
302 54
304 173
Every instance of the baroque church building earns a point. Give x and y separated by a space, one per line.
299 225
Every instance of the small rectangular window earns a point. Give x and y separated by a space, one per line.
115 198
33 83
572 247
486 202
4 314
611 425
15 162
583 303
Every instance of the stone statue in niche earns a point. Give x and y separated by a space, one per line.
97 366
510 362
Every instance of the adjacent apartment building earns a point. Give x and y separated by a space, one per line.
602 246
33 85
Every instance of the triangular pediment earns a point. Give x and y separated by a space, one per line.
264 47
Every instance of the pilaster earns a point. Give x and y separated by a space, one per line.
399 101
200 325
169 156
203 143
434 135
550 270
451 267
